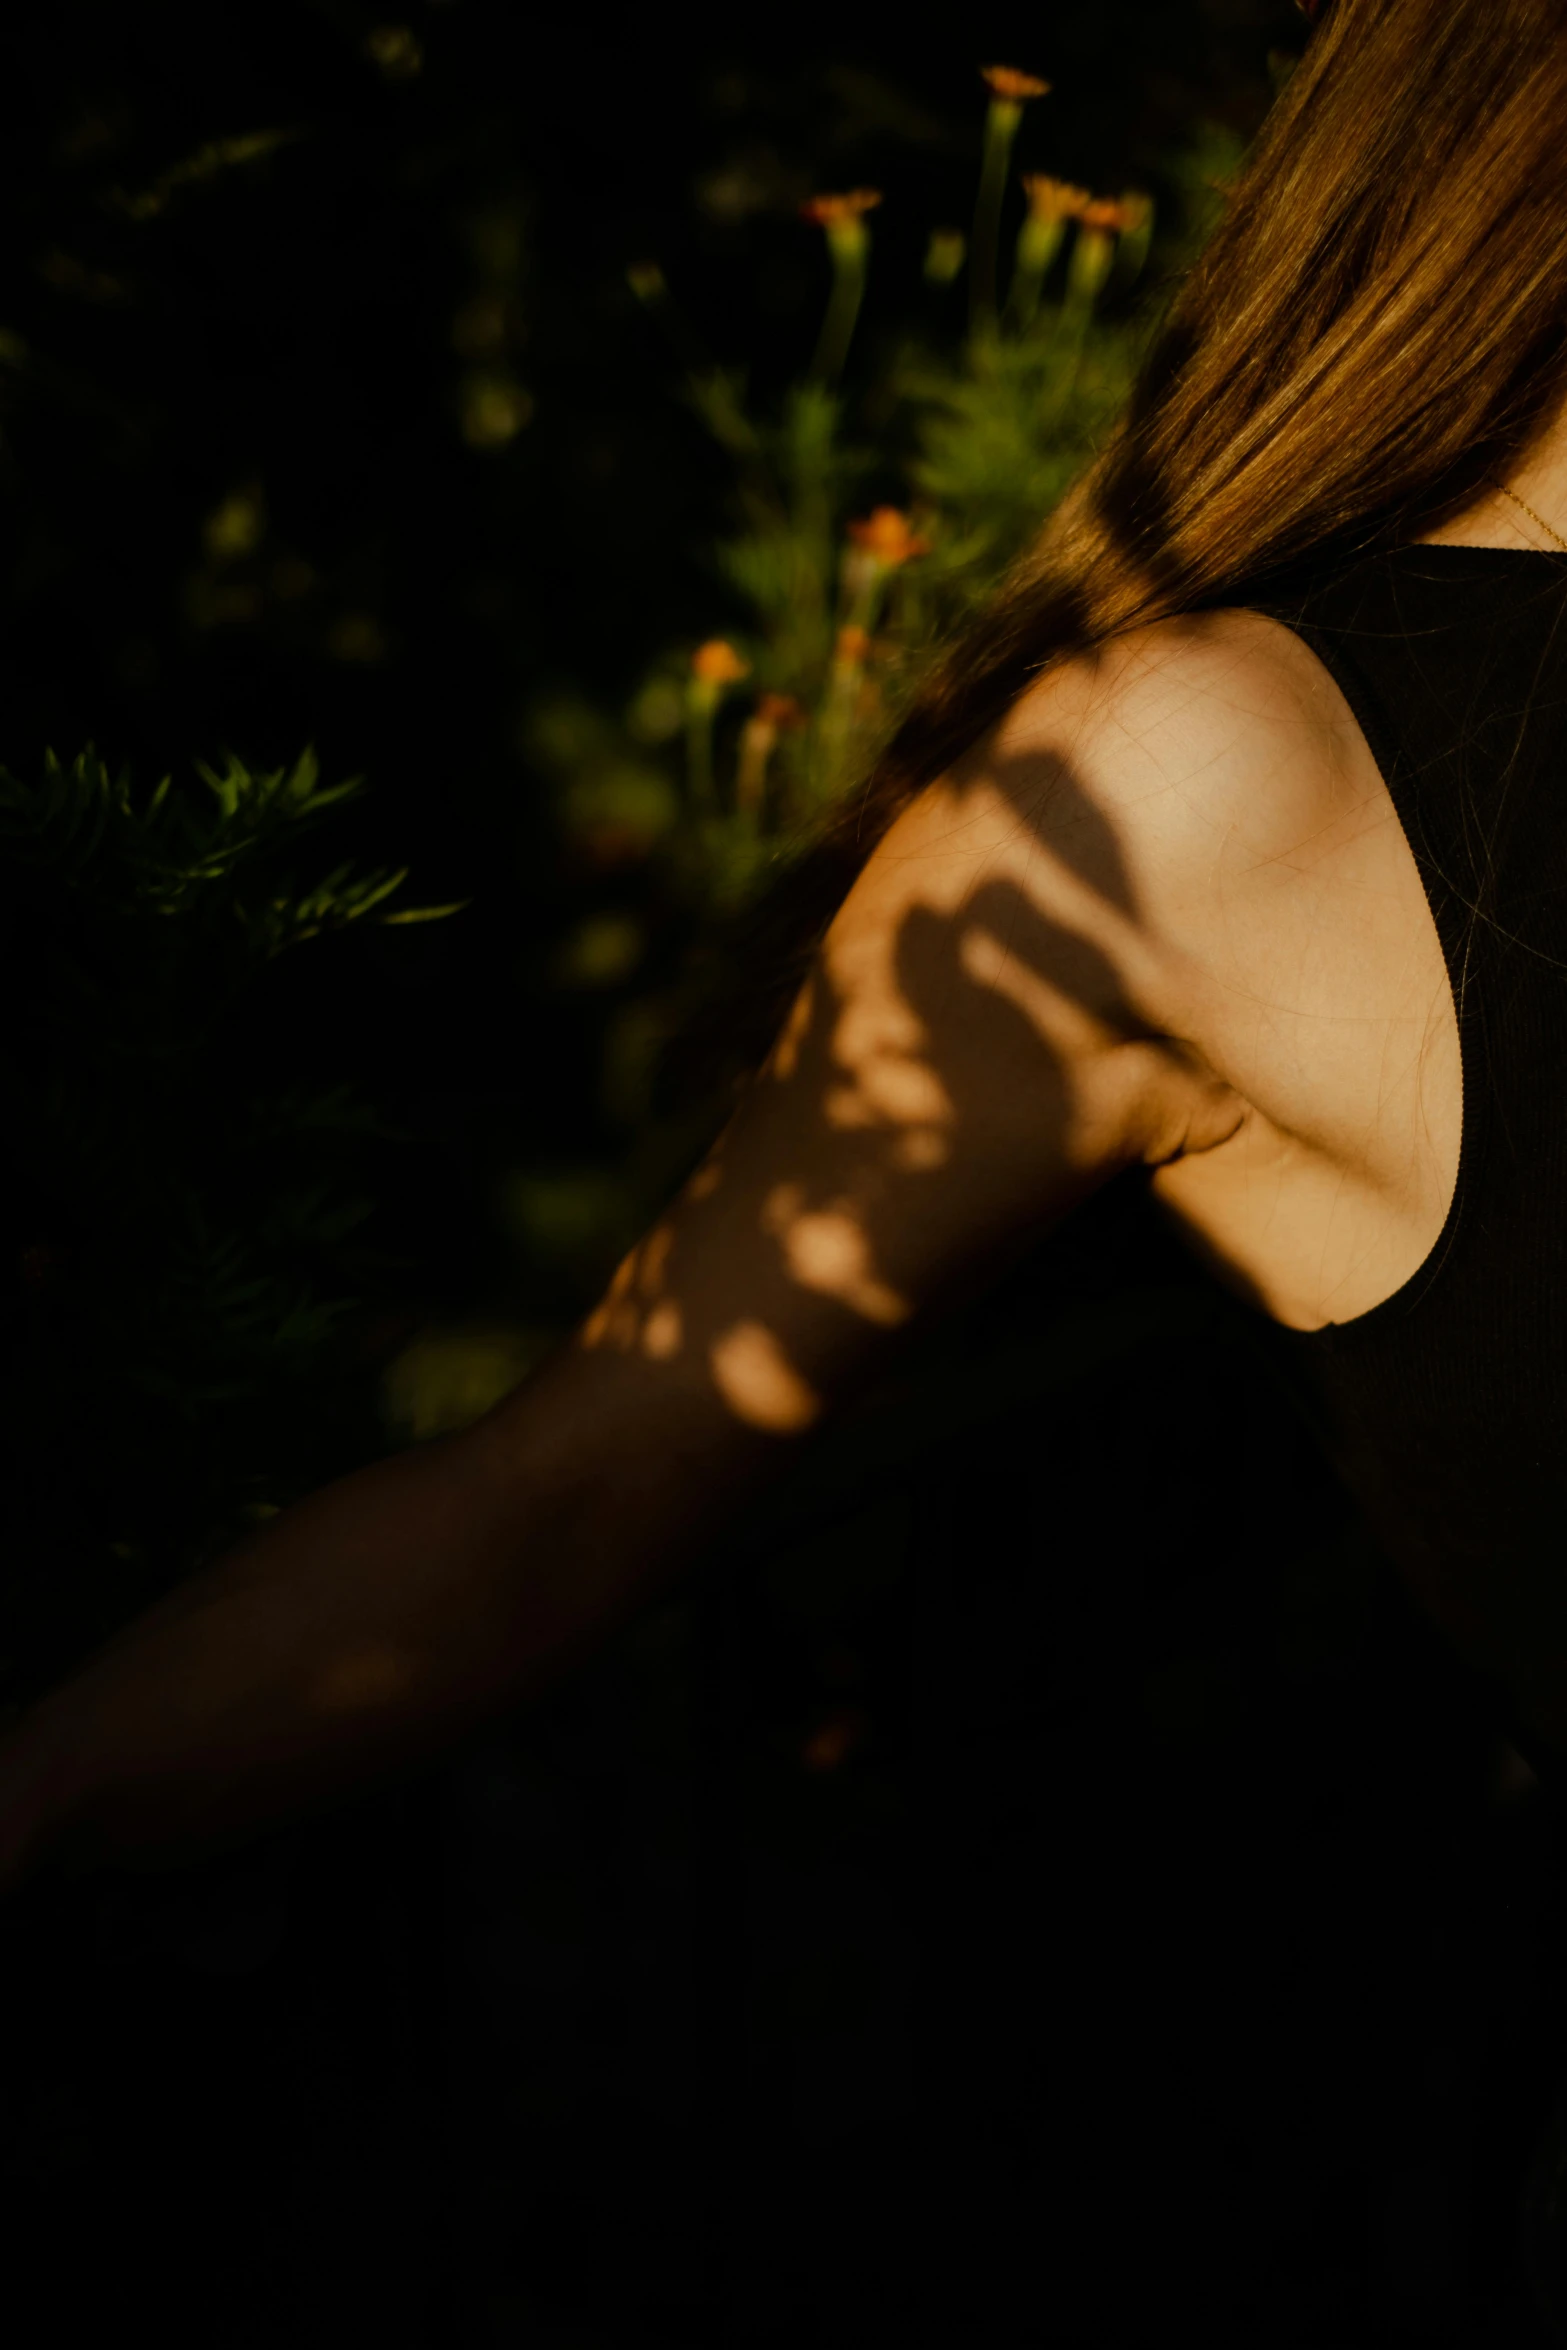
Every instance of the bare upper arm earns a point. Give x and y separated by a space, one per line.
1000 1019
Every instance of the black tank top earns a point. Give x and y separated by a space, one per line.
1445 1407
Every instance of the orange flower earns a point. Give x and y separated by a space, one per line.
886 536
1053 200
779 712
1110 218
1012 87
833 211
717 662
852 646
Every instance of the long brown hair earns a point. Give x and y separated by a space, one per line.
1378 324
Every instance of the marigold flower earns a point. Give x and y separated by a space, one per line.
781 712
717 662
833 211
1012 87
886 535
1053 200
1111 218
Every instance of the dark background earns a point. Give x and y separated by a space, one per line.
1044 1882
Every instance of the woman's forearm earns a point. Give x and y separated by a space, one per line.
355 1633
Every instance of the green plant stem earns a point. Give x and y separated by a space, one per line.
835 724
1093 257
849 245
757 739
1001 122
1132 249
701 703
1037 246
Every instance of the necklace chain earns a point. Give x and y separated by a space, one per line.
1533 517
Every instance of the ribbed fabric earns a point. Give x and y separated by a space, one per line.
1445 1407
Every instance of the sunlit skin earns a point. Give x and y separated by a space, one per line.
1162 916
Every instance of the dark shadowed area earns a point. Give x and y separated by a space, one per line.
1036 1880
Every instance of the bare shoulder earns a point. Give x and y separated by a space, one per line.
1208 779
1188 828
1162 914
1210 744
1209 776
998 1020
1120 930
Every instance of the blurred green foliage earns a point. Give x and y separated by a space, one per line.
187 1357
868 520
205 1308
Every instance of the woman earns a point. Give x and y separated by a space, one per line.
1227 846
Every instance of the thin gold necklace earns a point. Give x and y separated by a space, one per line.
1533 517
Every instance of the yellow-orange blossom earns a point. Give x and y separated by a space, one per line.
886 535
717 662
1011 86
